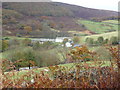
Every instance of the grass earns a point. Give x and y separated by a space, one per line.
93 48
98 27
55 30
68 66
14 37
104 35
111 21
0 55
90 63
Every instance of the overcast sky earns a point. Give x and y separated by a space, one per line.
98 4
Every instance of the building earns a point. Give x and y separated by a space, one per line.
76 45
60 39
68 44
41 40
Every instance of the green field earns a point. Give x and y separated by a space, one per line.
98 27
104 35
111 21
14 37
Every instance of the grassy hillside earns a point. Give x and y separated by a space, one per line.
47 18
68 66
111 21
104 35
98 27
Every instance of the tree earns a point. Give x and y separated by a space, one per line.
4 45
36 45
96 42
106 41
81 54
27 55
26 42
52 24
76 39
114 40
28 29
64 41
30 57
47 58
47 45
89 41
100 40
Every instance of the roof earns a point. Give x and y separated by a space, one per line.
77 45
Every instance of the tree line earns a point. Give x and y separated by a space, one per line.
101 41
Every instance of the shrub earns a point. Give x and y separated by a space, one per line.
26 42
43 55
114 40
89 41
5 45
77 75
65 41
103 53
6 38
76 39
14 42
106 41
26 54
81 54
100 40
96 42
47 58
18 35
36 45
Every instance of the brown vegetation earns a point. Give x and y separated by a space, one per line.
82 76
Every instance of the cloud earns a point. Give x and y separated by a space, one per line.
25 0
98 4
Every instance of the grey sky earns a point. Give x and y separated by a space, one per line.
25 0
98 4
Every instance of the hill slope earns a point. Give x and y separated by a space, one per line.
56 9
47 19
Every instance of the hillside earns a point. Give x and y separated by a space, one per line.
48 19
105 35
100 27
57 9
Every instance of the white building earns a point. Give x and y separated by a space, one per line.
41 40
68 44
60 39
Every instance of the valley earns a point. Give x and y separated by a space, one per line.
70 46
